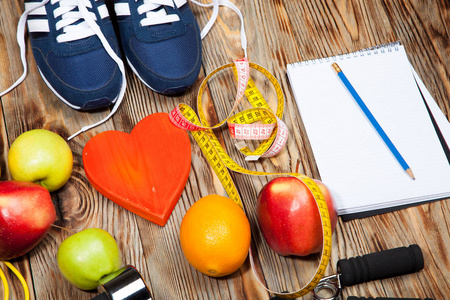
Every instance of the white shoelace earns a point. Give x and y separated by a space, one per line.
215 5
154 16
73 31
93 25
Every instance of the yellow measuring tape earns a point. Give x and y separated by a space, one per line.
19 276
243 124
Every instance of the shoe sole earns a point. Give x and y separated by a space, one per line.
62 98
178 89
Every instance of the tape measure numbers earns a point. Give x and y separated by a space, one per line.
273 133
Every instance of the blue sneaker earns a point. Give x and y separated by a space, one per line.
161 41
74 61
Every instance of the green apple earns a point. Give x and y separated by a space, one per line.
41 156
84 258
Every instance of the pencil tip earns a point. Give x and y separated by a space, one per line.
410 173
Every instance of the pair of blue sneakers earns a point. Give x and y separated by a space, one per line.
79 55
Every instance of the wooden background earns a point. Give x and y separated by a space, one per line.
279 32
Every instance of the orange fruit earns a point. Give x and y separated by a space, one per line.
215 236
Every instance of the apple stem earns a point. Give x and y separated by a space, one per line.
298 164
63 228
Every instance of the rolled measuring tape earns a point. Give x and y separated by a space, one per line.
272 131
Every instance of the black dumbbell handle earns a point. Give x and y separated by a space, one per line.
363 298
380 265
124 284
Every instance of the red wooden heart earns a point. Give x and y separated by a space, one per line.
145 171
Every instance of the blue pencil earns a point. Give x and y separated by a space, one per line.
373 121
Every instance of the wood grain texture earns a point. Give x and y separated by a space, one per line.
278 32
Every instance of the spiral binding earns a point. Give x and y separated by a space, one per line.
389 47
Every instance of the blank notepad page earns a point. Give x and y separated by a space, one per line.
352 159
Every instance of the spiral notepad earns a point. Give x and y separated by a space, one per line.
351 157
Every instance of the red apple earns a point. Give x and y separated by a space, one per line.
26 215
289 218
